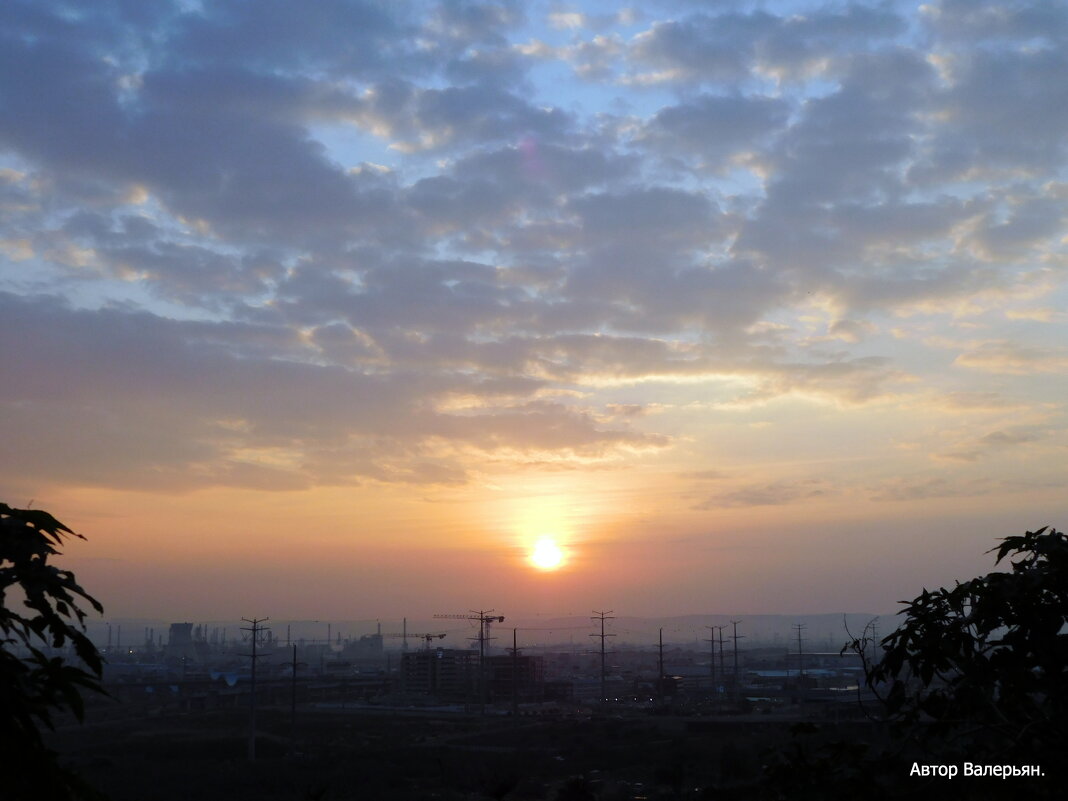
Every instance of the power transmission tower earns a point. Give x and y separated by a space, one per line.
800 665
722 668
293 699
602 616
254 629
712 657
515 676
660 669
737 684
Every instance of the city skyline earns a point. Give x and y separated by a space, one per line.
824 632
671 309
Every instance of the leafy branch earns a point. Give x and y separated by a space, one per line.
34 687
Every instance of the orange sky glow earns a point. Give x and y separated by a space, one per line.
322 315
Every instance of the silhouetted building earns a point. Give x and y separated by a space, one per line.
181 647
368 647
526 674
180 634
443 672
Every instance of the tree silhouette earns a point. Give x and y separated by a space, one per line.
980 669
976 673
33 684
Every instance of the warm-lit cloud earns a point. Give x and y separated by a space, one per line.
722 266
1014 358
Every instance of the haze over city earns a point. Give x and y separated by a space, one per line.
357 310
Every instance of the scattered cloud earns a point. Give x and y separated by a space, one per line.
1014 358
777 493
247 245
935 487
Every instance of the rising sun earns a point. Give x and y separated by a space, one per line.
547 555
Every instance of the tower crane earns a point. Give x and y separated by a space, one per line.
427 637
485 618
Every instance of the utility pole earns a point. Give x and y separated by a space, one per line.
515 677
254 630
800 666
602 616
323 648
737 684
293 697
712 655
482 661
722 668
660 670
293 700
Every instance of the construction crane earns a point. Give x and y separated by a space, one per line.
428 637
485 618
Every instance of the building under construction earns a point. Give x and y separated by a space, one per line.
441 672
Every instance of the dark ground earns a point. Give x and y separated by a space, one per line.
373 755
379 755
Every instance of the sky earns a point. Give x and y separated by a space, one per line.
339 309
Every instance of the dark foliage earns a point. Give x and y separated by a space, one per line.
981 668
976 673
35 685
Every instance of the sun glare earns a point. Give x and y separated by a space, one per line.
547 555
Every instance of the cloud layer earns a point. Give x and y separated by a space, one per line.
280 246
